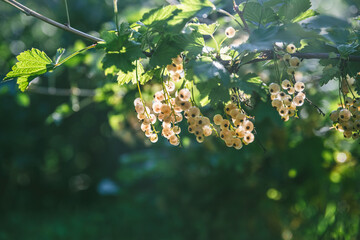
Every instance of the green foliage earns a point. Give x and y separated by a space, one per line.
31 64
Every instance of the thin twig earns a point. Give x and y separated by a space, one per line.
228 14
65 27
241 15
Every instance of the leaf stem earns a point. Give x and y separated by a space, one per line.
74 54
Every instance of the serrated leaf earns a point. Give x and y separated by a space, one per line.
126 77
204 29
158 17
166 49
259 14
305 15
292 9
329 73
347 49
118 60
30 63
249 83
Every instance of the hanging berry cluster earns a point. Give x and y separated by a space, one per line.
346 119
286 103
238 131
168 106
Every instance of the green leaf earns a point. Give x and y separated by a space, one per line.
158 17
167 48
329 73
249 83
347 49
292 9
118 60
126 77
122 60
258 14
30 63
323 21
193 42
204 29
305 15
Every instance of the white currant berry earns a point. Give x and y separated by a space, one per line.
334 116
225 124
294 62
355 135
291 90
165 109
344 114
299 86
276 103
287 57
291 70
291 48
207 130
170 86
248 138
200 138
159 96
274 88
229 107
298 101
138 101
178 60
230 32
194 112
218 119
248 126
286 84
154 138
184 94
347 134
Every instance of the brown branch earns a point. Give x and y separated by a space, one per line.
241 15
65 27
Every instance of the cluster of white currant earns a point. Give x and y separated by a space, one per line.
199 125
238 131
292 62
286 104
148 119
347 119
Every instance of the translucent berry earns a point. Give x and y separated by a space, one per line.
218 119
248 138
334 116
184 94
225 124
154 138
298 101
291 90
200 138
344 114
230 32
274 88
291 48
291 70
294 62
194 112
286 84
299 86
178 60
248 126
287 57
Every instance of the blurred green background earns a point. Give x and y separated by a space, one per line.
78 168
